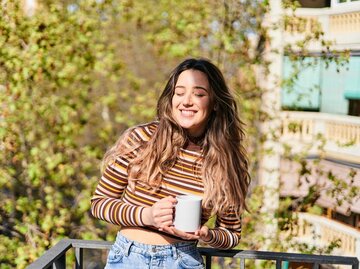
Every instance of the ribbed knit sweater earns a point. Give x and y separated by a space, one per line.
116 202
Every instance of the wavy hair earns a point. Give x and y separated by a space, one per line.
224 166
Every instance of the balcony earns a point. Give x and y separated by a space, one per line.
340 23
56 256
318 230
340 133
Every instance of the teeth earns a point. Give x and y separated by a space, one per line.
187 113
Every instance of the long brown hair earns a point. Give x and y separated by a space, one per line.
225 165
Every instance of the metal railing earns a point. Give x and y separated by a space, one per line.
55 257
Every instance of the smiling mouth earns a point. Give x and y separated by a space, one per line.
187 113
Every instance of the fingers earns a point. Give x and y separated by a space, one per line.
167 202
170 199
162 212
164 206
166 220
203 233
181 234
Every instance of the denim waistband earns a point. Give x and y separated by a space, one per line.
127 245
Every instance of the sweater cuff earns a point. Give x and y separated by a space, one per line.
139 220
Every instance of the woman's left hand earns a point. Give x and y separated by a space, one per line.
201 233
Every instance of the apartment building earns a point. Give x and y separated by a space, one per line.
321 118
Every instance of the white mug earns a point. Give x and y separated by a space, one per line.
188 213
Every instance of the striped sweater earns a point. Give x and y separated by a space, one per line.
115 202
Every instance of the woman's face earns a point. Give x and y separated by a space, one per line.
191 103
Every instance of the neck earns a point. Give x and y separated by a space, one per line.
197 140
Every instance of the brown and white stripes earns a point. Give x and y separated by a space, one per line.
115 202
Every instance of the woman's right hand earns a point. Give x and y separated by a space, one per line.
161 214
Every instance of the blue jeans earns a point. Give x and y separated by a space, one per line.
126 253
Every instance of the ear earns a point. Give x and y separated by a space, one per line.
215 107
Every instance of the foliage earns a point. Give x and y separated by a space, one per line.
52 72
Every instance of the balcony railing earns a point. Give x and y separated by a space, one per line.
345 23
55 257
339 24
320 230
341 133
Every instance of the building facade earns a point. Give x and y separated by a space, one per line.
321 114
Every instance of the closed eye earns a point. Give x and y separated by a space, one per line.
179 92
199 94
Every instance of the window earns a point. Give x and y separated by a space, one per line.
354 107
315 3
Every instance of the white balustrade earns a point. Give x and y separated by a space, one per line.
340 23
344 23
341 133
318 230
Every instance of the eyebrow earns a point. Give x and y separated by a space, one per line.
196 87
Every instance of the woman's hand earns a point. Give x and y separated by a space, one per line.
203 233
184 235
161 213
200 234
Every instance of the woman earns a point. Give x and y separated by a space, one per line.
195 147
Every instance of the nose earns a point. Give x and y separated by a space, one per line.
187 101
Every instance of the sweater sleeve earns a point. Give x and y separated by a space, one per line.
227 231
107 203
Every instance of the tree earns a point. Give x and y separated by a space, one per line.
52 135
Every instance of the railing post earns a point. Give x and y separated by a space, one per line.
208 261
356 266
79 255
60 263
242 264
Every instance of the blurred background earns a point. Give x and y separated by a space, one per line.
74 74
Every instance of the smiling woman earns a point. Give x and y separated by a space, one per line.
191 103
195 147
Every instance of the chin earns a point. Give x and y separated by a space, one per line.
186 127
